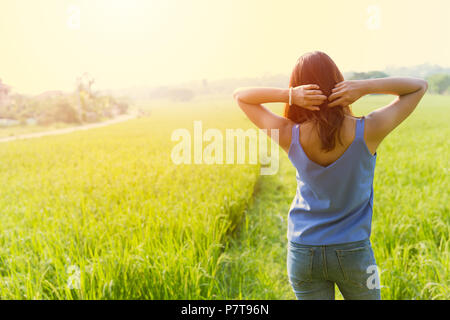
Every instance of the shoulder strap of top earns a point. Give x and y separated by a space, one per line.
360 128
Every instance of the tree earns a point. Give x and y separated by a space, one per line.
65 112
123 107
368 75
181 94
439 83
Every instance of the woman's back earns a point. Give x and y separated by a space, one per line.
334 200
311 142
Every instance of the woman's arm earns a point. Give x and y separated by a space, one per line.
250 101
398 86
383 120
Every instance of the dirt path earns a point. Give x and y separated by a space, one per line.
68 130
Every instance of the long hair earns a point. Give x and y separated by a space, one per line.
318 68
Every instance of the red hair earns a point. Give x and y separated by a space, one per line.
318 68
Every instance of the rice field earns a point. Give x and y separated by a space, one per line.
106 214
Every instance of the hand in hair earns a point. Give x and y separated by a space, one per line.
345 93
308 96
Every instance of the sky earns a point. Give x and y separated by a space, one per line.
47 44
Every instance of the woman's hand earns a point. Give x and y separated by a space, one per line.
346 92
308 96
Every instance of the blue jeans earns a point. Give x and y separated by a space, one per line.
314 270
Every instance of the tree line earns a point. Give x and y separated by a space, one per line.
438 83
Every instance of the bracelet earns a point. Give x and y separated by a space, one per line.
290 96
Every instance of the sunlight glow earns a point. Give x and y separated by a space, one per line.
125 43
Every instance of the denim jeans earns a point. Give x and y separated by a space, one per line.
314 270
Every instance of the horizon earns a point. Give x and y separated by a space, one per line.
120 43
191 82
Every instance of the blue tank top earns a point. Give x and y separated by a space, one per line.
333 204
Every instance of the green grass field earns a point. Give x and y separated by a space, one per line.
105 214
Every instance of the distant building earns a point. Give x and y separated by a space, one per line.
31 121
4 94
8 122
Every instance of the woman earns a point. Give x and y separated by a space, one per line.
334 154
